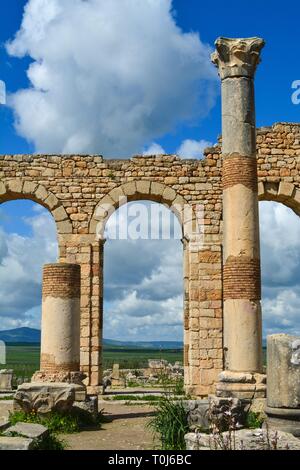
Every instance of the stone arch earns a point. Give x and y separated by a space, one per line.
284 192
139 190
17 189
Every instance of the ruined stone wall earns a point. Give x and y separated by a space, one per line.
72 188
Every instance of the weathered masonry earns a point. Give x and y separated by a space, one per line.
74 188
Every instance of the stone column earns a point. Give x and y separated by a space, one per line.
283 385
60 342
237 60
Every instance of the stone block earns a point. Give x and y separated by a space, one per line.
143 187
2 188
16 443
6 407
6 376
30 430
59 214
4 424
87 409
243 439
236 377
51 201
15 186
283 371
285 189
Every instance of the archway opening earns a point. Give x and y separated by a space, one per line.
28 240
280 262
143 293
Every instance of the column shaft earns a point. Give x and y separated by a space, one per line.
237 60
60 341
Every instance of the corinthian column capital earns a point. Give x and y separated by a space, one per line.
237 57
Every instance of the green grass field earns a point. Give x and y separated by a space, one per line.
24 358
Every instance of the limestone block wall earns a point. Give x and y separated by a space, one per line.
73 187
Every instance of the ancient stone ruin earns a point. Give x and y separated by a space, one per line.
222 285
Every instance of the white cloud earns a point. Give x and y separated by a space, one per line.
2 92
143 282
280 254
154 149
143 279
145 319
21 271
108 76
192 148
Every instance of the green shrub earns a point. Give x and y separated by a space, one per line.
170 423
254 420
55 422
178 387
50 442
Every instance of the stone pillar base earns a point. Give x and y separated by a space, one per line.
284 419
243 385
59 376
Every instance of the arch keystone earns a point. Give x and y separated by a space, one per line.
143 187
157 189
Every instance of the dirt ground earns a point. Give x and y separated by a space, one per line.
125 429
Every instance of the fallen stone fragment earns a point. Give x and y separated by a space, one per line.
244 439
30 430
16 443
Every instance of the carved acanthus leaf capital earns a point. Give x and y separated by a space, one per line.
237 57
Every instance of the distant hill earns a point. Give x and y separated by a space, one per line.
31 335
111 343
21 335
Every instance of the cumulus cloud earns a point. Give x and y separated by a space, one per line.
189 148
22 258
143 278
143 293
280 247
154 149
2 92
192 148
280 255
108 76
145 319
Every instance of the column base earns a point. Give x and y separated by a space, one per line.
243 385
283 419
71 377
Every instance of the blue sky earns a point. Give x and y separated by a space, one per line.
277 25
90 123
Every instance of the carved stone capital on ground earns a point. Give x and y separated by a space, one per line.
237 57
44 397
